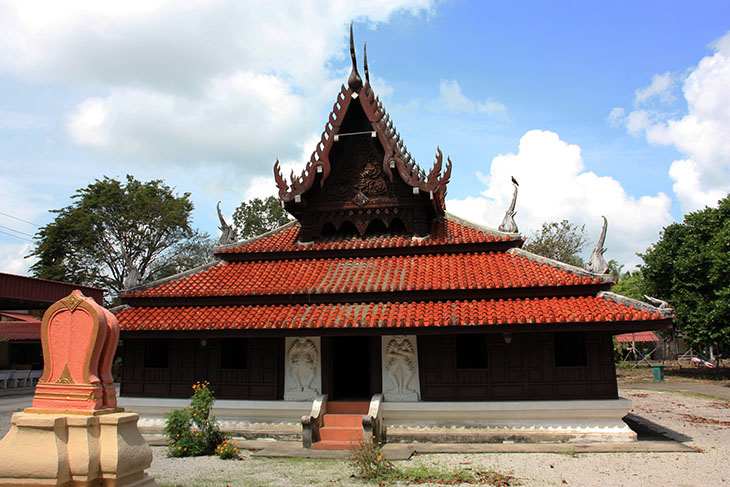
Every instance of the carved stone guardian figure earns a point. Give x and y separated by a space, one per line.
400 368
303 369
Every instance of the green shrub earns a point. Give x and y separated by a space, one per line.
227 450
193 431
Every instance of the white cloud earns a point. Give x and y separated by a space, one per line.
703 175
209 81
554 186
454 100
660 88
616 117
12 258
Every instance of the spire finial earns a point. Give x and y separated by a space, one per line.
354 81
365 63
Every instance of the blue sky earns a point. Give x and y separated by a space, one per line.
597 108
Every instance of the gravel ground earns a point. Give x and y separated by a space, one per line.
699 422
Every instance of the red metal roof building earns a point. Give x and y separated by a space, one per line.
376 289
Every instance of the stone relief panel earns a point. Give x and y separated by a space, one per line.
400 368
303 379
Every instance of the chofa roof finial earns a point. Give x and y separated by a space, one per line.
225 228
508 222
597 263
365 63
354 81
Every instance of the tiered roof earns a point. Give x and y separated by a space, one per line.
273 283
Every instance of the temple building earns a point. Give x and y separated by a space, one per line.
376 302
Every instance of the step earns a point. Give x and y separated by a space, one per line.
336 445
351 420
348 407
340 434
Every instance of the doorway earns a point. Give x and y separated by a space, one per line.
355 368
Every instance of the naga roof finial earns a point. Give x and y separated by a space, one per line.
508 222
365 63
225 228
354 81
597 263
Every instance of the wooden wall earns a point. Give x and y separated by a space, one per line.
260 374
523 369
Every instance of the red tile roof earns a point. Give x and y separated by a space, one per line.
381 315
639 336
445 231
484 270
20 330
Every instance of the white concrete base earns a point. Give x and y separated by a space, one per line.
518 421
444 422
250 419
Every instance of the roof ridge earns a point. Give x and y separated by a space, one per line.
241 243
480 227
635 303
174 277
606 278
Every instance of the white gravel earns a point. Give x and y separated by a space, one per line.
703 423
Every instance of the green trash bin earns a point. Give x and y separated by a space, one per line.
658 371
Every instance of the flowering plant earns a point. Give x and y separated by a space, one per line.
193 431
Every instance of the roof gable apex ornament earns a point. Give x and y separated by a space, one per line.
597 263
508 222
354 81
365 63
226 230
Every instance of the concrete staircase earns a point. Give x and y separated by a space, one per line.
341 426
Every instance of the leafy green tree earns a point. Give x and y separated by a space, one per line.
258 216
112 228
184 255
563 241
630 284
688 268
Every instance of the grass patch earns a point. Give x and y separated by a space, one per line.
370 464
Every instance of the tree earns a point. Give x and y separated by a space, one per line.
688 268
112 228
258 216
563 241
184 255
630 284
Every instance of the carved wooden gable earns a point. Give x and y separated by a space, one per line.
361 179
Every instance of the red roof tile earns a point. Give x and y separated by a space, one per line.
639 336
20 330
381 315
484 270
444 231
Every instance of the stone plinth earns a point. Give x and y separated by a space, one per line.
78 450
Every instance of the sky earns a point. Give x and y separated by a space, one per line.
615 108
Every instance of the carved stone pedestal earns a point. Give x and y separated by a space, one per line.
75 450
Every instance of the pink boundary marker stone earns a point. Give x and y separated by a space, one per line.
79 340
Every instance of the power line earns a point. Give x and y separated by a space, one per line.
16 231
21 238
19 219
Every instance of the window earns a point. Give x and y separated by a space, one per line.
234 353
570 349
156 353
471 351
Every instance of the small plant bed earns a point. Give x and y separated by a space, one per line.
193 431
370 464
